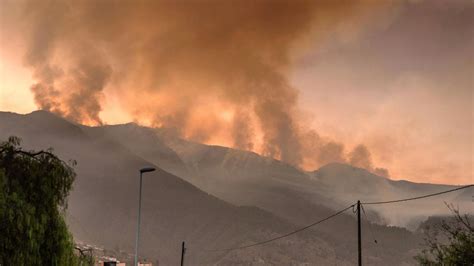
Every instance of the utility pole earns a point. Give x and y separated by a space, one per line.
183 250
137 239
359 235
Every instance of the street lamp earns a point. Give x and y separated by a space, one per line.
143 170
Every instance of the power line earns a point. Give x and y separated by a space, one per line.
337 213
367 218
285 235
419 197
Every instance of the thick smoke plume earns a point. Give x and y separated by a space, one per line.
360 157
211 70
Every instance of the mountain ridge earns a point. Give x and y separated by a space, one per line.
263 187
103 200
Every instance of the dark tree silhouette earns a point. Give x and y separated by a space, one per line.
450 243
33 197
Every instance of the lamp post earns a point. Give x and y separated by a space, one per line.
143 170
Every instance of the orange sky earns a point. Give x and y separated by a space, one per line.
403 88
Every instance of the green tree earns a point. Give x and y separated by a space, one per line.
33 198
451 243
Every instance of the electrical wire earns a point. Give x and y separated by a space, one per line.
285 235
367 218
419 197
337 213
370 230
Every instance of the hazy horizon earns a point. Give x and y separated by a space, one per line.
217 145
385 86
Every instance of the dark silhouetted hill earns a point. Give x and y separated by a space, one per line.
177 206
103 203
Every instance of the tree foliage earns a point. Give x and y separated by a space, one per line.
451 243
33 198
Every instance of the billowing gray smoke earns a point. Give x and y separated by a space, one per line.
181 64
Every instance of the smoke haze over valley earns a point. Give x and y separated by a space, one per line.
230 198
262 76
267 132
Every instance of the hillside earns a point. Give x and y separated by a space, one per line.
177 205
245 178
344 183
103 203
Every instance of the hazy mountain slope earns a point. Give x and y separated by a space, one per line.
239 177
143 142
103 203
343 178
109 157
245 178
346 183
